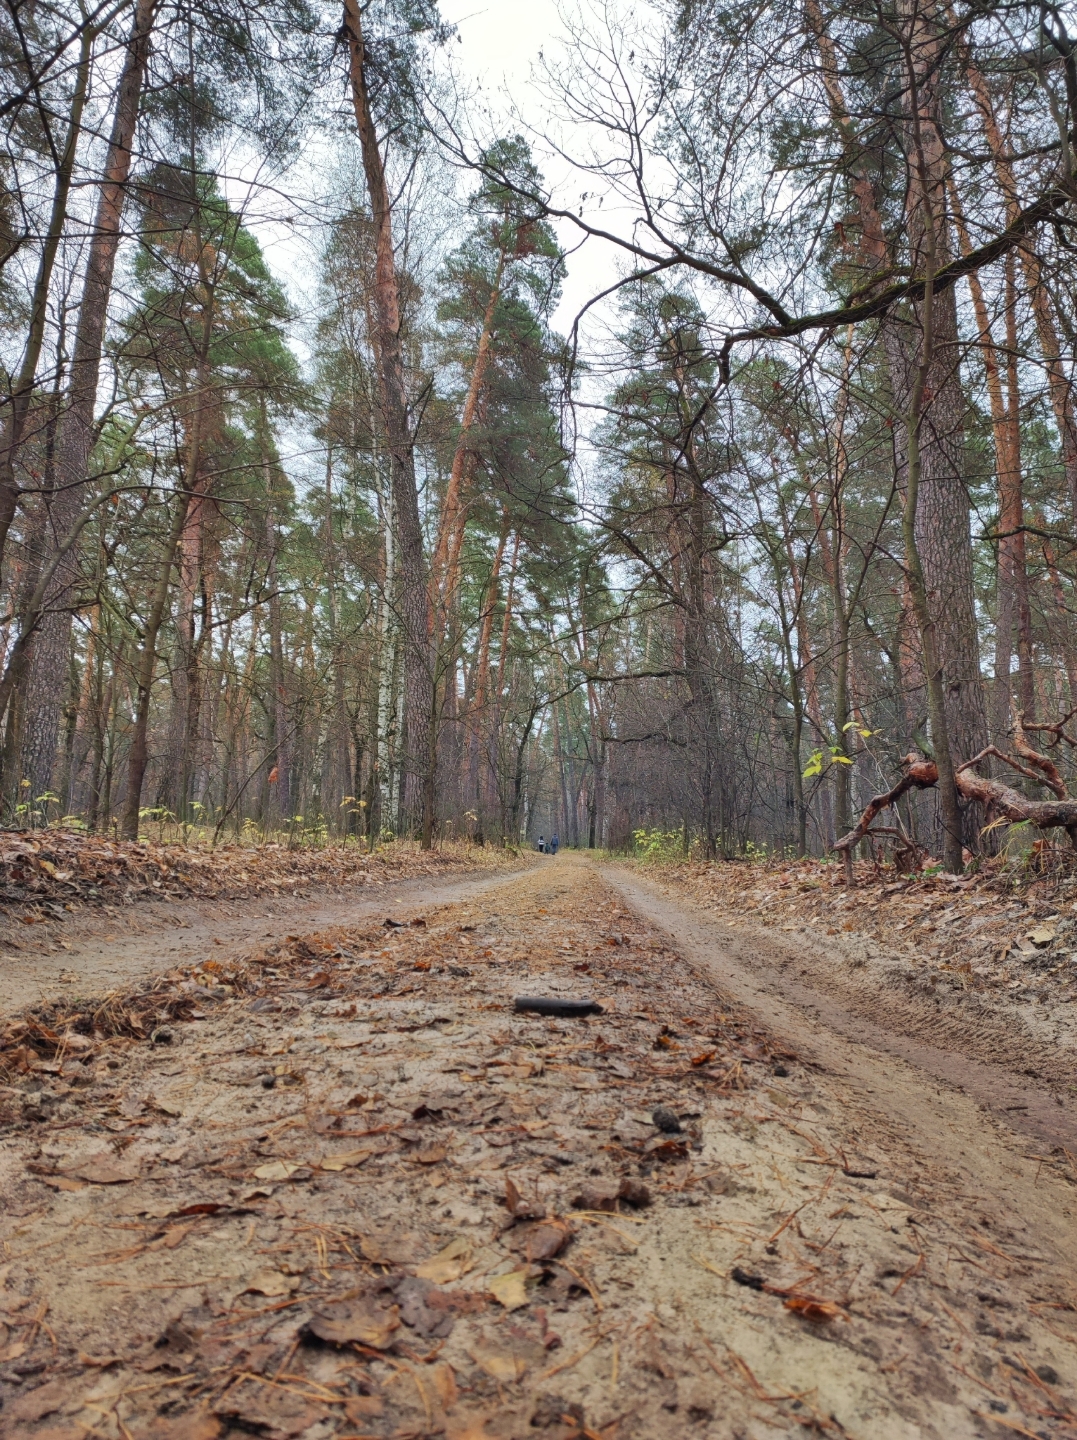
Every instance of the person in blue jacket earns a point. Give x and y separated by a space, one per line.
554 842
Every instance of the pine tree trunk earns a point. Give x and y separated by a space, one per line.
48 668
419 687
147 664
943 532
22 389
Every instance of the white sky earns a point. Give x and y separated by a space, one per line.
499 49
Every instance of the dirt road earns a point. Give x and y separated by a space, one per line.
361 1197
867 1031
96 952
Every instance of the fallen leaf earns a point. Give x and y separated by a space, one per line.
444 1378
634 1193
542 1240
391 1249
500 1365
200 1426
425 1308
519 1207
448 1264
270 1283
106 1169
272 1411
596 1197
363 1407
36 1404
473 1428
818 1311
509 1290
277 1170
432 1156
61 1182
353 1321
344 1160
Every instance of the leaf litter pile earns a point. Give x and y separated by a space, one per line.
52 871
344 1189
978 935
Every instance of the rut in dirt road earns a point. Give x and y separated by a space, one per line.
853 1018
364 1197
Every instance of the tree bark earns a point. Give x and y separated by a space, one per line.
23 388
419 689
147 663
48 667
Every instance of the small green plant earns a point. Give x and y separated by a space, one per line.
658 844
159 815
820 760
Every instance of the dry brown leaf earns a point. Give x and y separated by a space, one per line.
61 1182
271 1410
448 1264
200 1426
519 1207
363 1407
546 1240
36 1404
277 1170
349 1322
469 1428
818 1311
432 1156
106 1169
345 1159
270 1283
391 1249
501 1365
444 1378
509 1290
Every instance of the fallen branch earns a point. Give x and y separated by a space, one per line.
1044 814
1052 778
999 799
920 775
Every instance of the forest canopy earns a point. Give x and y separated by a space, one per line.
324 515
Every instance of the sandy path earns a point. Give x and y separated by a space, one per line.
874 1035
95 953
361 1197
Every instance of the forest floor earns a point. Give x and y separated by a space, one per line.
974 981
85 914
337 1187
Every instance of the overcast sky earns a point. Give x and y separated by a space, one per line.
499 48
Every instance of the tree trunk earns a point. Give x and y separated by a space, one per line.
1043 307
1012 578
419 688
147 663
22 390
278 738
48 668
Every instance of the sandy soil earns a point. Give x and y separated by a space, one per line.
1017 1060
93 951
361 1197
